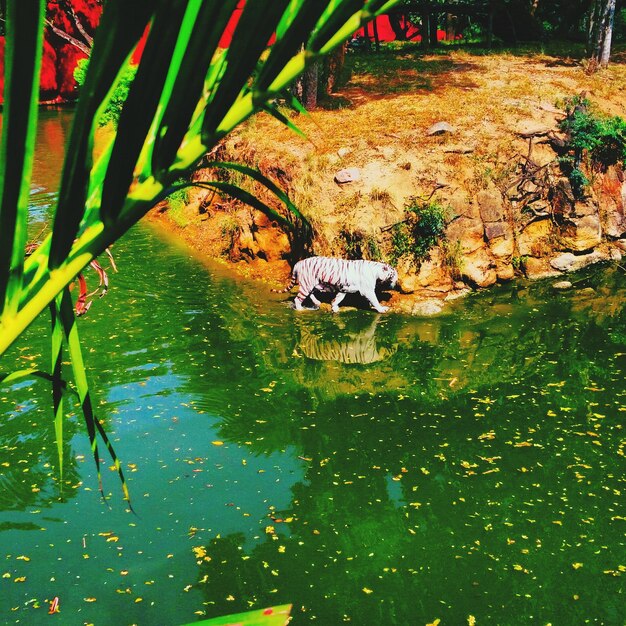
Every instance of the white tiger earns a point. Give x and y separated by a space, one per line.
340 276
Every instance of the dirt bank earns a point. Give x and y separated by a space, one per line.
494 170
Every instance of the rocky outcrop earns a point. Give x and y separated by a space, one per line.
557 234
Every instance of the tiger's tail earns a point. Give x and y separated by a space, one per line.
290 286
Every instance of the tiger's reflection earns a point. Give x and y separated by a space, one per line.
342 343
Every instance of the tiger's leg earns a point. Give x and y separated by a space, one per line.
298 300
371 296
336 301
314 300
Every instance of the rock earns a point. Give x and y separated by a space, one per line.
612 198
501 240
348 175
272 243
615 254
342 152
462 205
440 128
459 149
433 273
582 209
531 240
532 128
408 281
562 285
491 205
496 230
505 271
539 268
469 232
583 234
427 308
458 293
479 268
568 262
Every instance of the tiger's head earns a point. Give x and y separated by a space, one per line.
388 275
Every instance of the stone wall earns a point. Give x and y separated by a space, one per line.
503 233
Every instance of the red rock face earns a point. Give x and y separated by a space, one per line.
59 56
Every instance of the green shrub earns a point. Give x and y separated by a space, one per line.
400 242
599 140
422 228
356 245
112 113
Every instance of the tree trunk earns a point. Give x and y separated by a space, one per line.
310 86
434 29
490 28
601 31
376 35
329 75
452 22
395 21
425 29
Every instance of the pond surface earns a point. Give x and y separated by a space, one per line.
368 469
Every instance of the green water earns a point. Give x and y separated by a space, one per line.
368 469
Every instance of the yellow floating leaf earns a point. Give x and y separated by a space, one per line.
577 565
434 622
89 599
23 558
138 600
217 443
19 579
366 590
199 551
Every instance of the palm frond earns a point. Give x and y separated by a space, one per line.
24 45
187 94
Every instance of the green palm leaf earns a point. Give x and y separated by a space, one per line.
22 62
187 94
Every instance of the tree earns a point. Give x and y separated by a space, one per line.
66 22
601 21
187 95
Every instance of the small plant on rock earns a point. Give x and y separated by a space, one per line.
422 228
593 140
